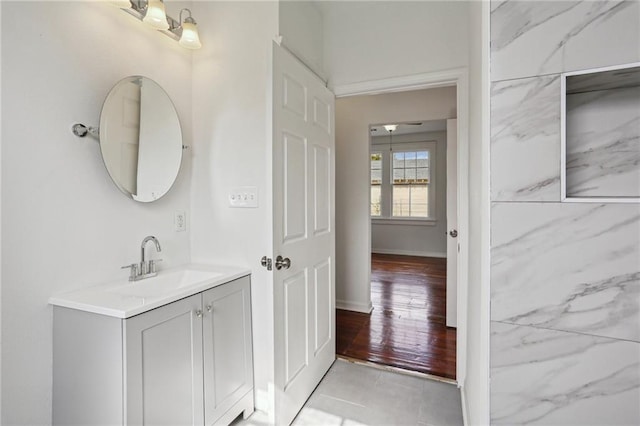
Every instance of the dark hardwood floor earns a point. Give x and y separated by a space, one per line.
407 326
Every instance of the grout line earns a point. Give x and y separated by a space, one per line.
343 400
583 333
397 370
550 74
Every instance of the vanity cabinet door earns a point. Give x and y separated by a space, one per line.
228 356
163 368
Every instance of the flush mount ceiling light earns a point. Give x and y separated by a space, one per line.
152 12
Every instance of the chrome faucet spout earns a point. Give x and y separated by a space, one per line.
144 243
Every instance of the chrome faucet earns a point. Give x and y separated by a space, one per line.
144 269
144 265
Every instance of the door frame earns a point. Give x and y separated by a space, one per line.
457 77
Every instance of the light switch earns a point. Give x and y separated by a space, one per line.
244 197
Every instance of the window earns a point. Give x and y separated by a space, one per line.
410 180
403 182
376 183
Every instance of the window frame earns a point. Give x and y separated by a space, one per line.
386 199
371 154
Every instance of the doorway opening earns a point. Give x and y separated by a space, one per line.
407 327
411 325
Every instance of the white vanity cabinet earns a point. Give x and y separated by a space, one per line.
228 368
188 362
163 365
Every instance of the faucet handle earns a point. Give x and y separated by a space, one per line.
134 270
152 265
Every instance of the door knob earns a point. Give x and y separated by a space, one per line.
282 263
453 233
266 262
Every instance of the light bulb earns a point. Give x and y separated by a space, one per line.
190 38
156 16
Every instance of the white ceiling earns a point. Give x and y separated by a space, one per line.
405 128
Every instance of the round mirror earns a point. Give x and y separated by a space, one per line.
140 138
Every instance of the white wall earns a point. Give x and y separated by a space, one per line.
353 117
476 387
371 40
301 28
416 239
232 147
65 224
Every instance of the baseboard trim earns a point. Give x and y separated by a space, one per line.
463 400
357 307
262 400
410 253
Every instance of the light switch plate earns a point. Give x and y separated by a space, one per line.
243 197
180 221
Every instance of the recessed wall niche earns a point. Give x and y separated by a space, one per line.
601 134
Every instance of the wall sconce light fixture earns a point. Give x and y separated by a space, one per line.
156 15
189 37
152 12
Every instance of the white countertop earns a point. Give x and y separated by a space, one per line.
124 299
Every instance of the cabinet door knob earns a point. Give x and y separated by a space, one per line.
209 308
199 313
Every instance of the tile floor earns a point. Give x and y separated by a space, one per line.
354 394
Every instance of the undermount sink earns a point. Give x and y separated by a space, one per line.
166 282
124 299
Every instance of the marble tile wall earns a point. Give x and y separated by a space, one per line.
551 377
565 277
567 266
603 143
533 38
525 130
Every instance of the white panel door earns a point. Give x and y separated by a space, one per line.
164 365
452 223
303 227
